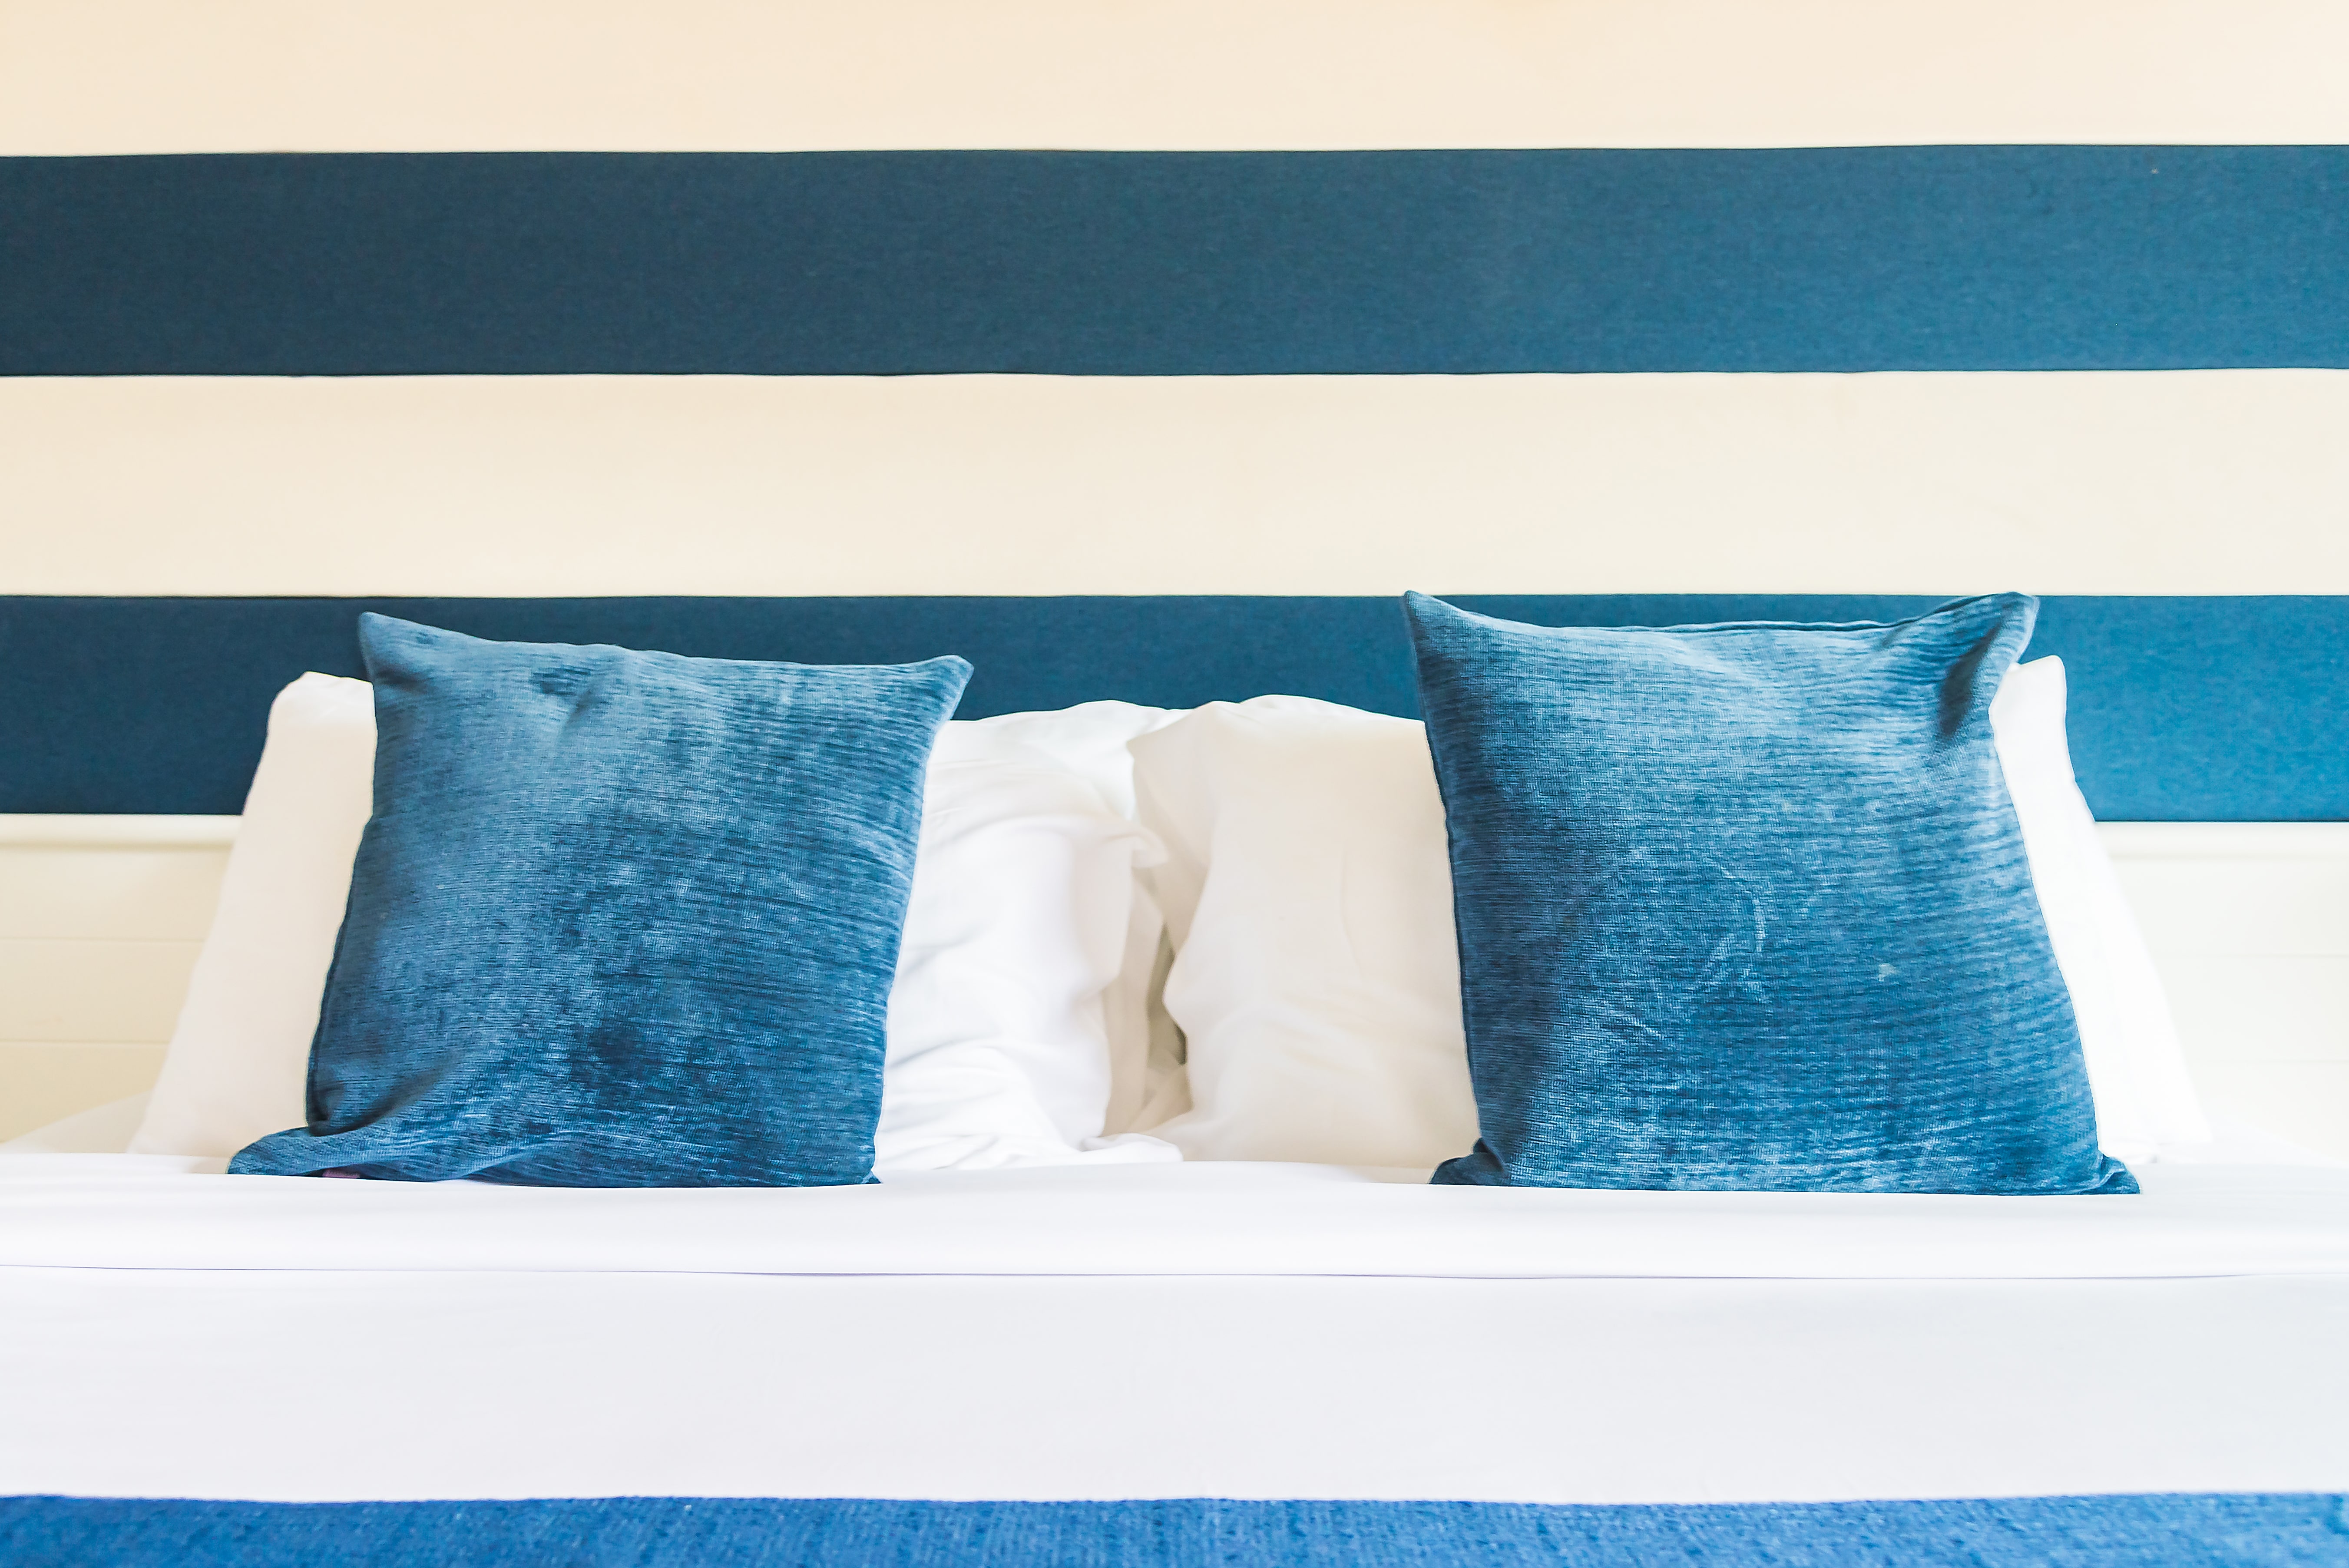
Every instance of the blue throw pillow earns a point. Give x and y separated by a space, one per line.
620 919
1747 907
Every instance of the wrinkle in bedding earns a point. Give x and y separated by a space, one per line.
1198 1218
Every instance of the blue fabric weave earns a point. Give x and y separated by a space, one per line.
619 919
1395 260
2149 1531
2183 708
1745 907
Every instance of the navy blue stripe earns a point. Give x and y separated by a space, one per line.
2142 1532
2212 709
1896 258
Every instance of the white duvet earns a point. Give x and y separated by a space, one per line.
1235 1330
1201 1218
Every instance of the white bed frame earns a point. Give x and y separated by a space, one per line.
102 917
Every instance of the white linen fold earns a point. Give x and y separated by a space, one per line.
1194 1219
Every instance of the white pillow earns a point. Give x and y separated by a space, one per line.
241 1053
1010 1020
1008 1027
1308 891
1146 1080
2137 1070
1315 974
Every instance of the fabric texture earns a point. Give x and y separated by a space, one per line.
239 1053
1208 1217
2136 1068
619 918
1315 977
1395 260
1747 906
1009 1029
169 1331
2221 708
2245 1531
1019 1025
1093 741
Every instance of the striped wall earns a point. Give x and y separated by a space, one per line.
1973 185
242 75
1586 260
2135 482
1171 297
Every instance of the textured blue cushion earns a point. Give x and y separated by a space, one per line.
1747 907
620 919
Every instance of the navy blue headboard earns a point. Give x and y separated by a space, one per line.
2183 708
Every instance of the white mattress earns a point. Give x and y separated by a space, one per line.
1239 1331
1225 1217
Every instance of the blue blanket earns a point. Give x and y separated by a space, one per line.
742 1532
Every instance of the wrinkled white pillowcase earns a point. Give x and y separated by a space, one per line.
1018 1014
1015 1019
1308 891
1316 976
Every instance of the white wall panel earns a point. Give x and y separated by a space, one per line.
165 76
2287 906
2262 1006
2307 1102
41 1082
104 991
2103 482
130 894
2249 923
2246 921
100 920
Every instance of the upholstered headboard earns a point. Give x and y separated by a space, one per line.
2184 708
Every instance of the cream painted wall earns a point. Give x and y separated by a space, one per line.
2212 482
167 76
2189 483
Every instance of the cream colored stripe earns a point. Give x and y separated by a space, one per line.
61 831
167 76
2183 482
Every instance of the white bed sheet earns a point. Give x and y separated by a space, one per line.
327 1386
1203 1218
190 1336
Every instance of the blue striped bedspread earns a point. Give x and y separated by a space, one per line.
768 1532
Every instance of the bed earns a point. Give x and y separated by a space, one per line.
1152 426
1264 1333
1210 1361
